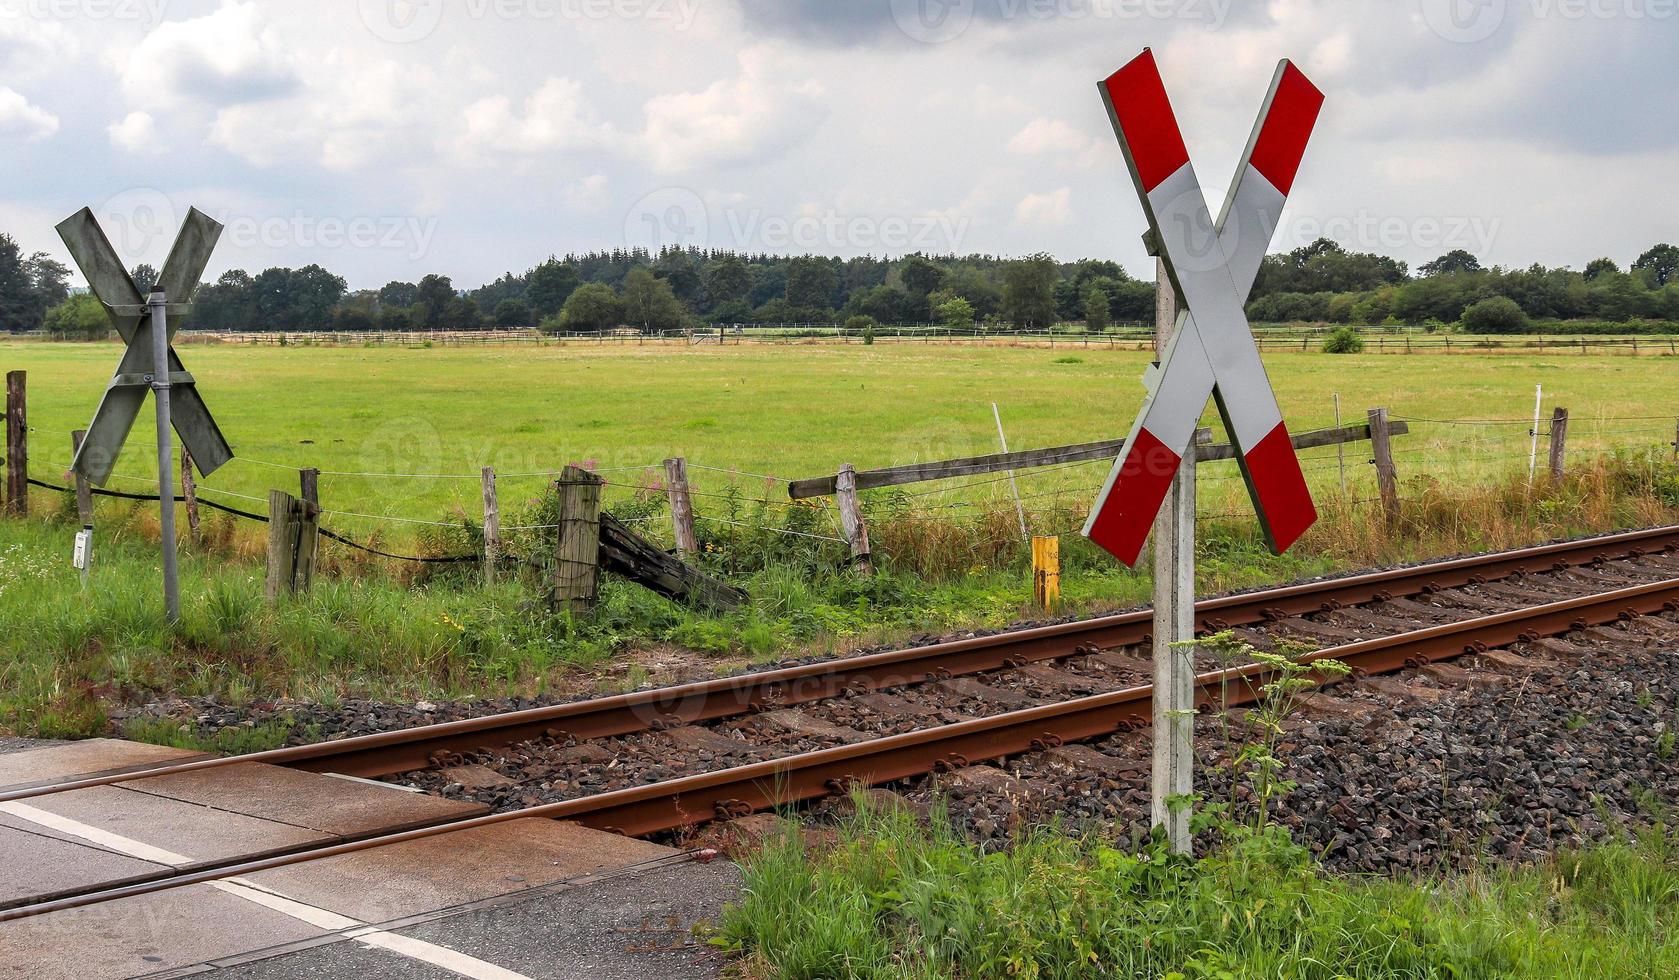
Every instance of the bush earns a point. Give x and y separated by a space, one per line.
80 317
1496 314
1343 340
864 326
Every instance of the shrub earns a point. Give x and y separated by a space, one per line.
1343 340
1496 314
863 326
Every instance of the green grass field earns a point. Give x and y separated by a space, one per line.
790 411
401 433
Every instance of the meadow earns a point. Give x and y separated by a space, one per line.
401 433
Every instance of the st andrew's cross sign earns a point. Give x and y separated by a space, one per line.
136 373
1213 267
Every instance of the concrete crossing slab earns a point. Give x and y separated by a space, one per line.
143 935
40 867
200 834
330 805
94 756
457 868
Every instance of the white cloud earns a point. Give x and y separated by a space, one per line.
21 119
591 194
227 57
1053 208
1043 135
1061 141
754 117
555 117
28 43
135 133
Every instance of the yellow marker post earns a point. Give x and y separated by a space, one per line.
1046 572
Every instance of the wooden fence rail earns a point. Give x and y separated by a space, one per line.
891 476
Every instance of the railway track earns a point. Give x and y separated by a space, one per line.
1621 576
408 750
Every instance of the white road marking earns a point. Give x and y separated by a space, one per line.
415 949
104 838
439 956
317 917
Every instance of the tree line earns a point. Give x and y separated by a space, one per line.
681 288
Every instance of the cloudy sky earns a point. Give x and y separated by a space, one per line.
390 138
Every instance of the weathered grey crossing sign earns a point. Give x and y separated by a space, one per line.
149 363
136 373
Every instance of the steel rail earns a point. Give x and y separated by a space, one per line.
405 750
693 800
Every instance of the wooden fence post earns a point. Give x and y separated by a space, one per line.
1559 441
282 544
309 526
189 490
577 554
681 505
492 526
84 493
1381 449
17 443
851 519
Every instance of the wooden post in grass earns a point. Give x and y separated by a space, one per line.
282 544
189 490
1381 451
492 526
681 506
309 526
1559 441
851 519
84 493
577 554
17 444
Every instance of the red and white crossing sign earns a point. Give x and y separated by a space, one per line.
1213 266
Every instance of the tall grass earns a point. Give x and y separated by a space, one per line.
381 629
895 897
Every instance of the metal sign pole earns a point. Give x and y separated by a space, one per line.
155 307
148 363
1174 622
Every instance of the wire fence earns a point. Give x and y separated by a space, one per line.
1122 336
1436 447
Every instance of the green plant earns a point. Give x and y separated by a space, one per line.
1343 340
863 326
1495 314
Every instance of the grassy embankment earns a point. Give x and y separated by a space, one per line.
892 897
952 557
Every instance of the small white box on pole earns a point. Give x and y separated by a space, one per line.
84 549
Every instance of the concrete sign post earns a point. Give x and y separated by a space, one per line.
148 364
1208 267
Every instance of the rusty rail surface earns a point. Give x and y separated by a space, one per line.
405 750
692 800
